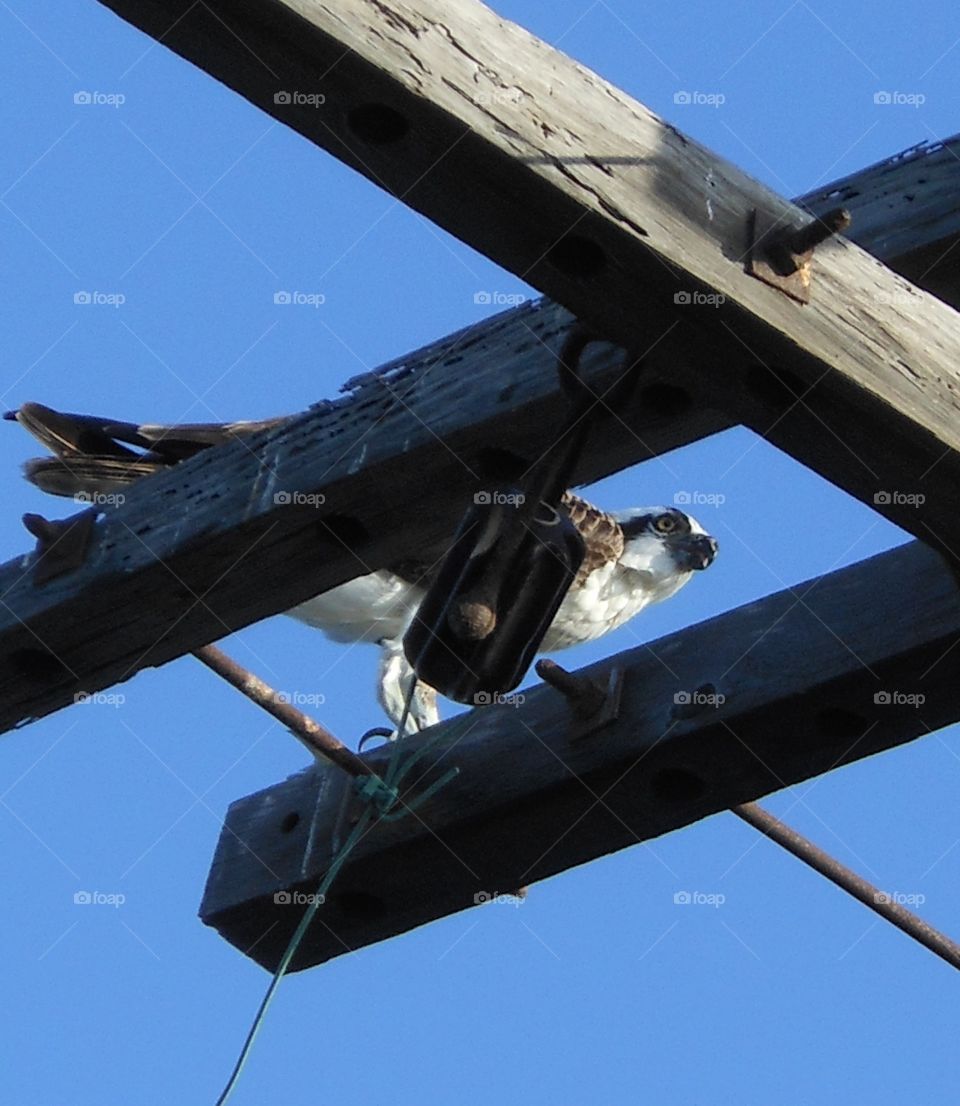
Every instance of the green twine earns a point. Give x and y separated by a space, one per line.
382 795
291 950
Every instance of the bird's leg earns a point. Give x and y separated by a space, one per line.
396 679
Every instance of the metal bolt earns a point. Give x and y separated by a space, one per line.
45 530
61 543
585 696
818 231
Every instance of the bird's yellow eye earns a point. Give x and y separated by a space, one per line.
666 524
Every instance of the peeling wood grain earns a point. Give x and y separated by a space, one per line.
611 211
906 212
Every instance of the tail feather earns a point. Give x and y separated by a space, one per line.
70 476
65 433
93 454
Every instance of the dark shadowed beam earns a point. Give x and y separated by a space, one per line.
252 528
719 714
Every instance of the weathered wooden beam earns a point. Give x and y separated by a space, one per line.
252 528
562 178
747 703
905 212
202 551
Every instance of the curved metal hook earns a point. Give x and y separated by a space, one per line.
376 731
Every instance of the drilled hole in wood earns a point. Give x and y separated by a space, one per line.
37 664
377 124
777 388
577 256
360 906
290 822
500 464
343 529
677 785
666 400
840 722
506 393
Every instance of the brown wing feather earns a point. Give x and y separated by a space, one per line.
600 531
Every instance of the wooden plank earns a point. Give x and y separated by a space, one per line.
221 541
202 551
563 179
905 212
794 685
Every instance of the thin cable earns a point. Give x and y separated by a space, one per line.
879 901
358 830
388 788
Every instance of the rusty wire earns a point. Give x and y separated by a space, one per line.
317 738
879 901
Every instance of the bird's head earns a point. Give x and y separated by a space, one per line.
665 543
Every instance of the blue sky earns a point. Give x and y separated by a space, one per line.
195 208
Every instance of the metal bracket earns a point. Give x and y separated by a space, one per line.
61 543
593 705
781 257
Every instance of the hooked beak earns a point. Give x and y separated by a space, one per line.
694 552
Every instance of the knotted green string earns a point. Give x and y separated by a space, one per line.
382 795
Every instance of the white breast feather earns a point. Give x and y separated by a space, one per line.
610 596
379 607
368 608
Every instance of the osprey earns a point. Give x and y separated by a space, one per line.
633 558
